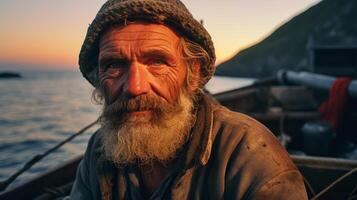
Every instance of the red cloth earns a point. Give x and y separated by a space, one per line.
334 109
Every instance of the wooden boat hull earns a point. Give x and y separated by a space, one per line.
37 186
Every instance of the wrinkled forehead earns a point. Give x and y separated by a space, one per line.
140 33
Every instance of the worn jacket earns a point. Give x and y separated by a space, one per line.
229 156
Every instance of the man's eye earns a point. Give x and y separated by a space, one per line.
157 62
116 65
112 65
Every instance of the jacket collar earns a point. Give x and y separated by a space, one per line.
200 144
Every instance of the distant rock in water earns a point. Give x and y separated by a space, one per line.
6 75
288 46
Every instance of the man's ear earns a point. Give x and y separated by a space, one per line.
195 76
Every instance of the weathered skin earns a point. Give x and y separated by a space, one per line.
141 58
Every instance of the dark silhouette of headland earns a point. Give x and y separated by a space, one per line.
328 24
8 75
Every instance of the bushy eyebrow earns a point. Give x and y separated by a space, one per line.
110 57
159 53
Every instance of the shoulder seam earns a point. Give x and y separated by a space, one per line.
260 186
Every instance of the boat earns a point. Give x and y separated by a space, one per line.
284 103
288 104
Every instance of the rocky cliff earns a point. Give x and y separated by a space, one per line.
331 21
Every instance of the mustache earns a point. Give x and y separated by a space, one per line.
121 106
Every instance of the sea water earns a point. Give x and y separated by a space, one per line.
45 107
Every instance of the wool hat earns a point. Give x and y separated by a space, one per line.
171 13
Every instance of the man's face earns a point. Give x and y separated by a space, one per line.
148 109
140 59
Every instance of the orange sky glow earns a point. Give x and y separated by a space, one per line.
49 34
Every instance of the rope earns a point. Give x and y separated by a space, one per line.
37 158
351 196
328 188
308 185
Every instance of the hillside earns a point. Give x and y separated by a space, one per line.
287 46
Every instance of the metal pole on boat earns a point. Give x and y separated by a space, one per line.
313 80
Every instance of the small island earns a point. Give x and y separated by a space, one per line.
8 75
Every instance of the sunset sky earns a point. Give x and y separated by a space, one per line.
43 34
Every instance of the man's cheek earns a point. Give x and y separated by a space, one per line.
111 88
173 89
168 87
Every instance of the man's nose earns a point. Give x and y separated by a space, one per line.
137 82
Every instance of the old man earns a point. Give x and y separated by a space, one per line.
161 136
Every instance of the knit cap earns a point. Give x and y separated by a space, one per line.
171 13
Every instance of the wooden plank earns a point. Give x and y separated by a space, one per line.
56 177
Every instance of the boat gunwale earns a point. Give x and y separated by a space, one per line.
34 186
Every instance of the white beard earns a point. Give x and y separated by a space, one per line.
144 142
